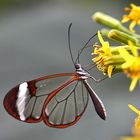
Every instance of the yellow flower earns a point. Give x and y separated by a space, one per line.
136 128
103 53
133 16
131 67
130 138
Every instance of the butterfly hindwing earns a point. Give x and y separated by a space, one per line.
66 106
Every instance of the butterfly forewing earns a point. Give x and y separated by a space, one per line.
66 107
25 101
46 86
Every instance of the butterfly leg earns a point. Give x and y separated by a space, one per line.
100 79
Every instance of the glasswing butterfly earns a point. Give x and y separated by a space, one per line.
59 100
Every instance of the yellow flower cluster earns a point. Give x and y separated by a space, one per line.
133 16
124 58
136 127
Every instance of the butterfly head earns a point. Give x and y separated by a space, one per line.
81 72
78 66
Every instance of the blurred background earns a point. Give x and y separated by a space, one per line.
33 43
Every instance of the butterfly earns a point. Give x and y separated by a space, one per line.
59 100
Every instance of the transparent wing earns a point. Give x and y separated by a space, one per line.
66 107
25 101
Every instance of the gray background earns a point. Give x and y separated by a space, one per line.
33 43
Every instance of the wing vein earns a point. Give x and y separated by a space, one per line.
53 109
83 93
62 119
28 101
75 103
33 106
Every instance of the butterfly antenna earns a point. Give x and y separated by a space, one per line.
85 46
69 43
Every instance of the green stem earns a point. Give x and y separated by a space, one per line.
123 37
112 23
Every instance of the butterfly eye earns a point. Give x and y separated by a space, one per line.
77 66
